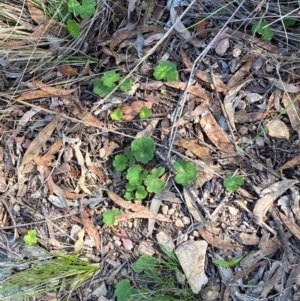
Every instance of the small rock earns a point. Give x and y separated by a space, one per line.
236 52
186 220
179 223
118 243
145 248
222 47
191 256
100 290
232 210
164 240
278 129
253 97
210 293
171 211
195 233
165 209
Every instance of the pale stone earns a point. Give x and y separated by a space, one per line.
191 256
222 47
179 223
164 240
101 290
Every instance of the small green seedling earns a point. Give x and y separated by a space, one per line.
233 181
153 181
125 292
109 216
166 70
289 22
262 28
145 112
126 85
116 114
108 82
71 11
143 149
186 172
141 181
30 238
227 264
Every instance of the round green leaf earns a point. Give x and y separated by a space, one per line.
262 28
126 85
186 172
116 114
145 112
120 162
143 149
73 28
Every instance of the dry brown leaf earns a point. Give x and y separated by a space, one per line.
40 31
79 242
207 80
53 149
216 134
293 162
74 196
33 95
67 70
139 210
293 227
81 181
185 59
196 89
90 228
92 168
201 28
189 201
91 119
217 240
269 195
278 129
293 113
36 14
40 140
200 151
243 116
53 91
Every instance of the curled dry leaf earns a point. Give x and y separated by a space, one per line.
200 151
53 91
81 181
40 140
33 95
90 228
36 14
139 211
79 242
67 70
196 89
269 195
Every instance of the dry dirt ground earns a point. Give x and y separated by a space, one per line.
233 110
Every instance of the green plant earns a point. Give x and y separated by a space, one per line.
186 172
109 216
163 276
47 273
289 21
30 238
108 82
166 70
262 28
144 112
140 180
233 181
227 264
71 11
116 114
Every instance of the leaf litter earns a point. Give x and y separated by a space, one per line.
238 110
